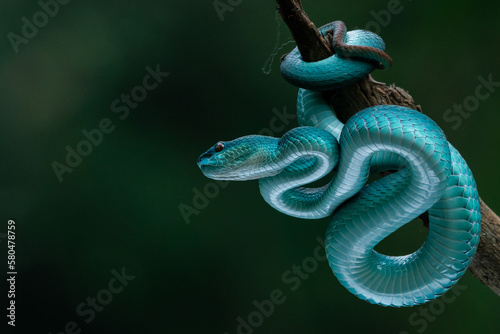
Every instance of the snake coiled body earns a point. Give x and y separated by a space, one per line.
431 176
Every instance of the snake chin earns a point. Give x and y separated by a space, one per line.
213 172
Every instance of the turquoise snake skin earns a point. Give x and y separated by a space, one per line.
431 176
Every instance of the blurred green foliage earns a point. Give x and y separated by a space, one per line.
119 207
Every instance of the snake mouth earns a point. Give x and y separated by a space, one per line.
207 170
218 173
209 159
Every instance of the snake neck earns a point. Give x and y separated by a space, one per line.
304 155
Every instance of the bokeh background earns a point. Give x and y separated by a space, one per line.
121 207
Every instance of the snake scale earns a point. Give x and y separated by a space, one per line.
431 176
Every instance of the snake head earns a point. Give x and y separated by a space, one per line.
238 160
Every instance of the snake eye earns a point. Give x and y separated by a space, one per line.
219 147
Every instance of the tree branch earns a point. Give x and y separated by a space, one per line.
347 101
311 45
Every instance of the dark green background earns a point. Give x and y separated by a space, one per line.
120 206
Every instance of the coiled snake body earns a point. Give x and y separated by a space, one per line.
431 176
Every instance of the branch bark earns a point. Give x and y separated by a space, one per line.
349 100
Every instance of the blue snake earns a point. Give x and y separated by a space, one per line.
431 176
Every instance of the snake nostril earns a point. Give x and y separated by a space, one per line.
202 159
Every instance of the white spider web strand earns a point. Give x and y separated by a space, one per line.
267 67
